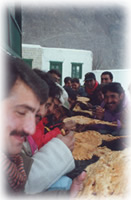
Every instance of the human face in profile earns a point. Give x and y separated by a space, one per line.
45 109
20 108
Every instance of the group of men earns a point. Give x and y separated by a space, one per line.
24 94
35 162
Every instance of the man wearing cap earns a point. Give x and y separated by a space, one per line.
90 87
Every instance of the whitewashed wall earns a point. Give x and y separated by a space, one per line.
42 56
34 52
121 76
67 56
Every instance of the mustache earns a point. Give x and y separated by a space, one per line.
111 103
19 133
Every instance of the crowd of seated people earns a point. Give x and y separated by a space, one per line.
107 100
37 150
26 97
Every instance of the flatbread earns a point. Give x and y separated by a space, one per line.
109 176
85 144
82 120
83 99
77 108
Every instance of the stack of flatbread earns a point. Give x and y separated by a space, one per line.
77 108
82 120
87 143
109 176
83 100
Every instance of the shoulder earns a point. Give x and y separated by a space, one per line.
27 163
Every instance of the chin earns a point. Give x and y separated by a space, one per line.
16 150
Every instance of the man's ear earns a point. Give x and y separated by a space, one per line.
122 96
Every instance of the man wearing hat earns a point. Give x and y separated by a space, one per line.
90 87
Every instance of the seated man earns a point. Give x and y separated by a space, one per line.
55 92
106 77
116 106
67 82
21 103
55 75
77 87
91 85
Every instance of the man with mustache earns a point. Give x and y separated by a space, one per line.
116 104
21 103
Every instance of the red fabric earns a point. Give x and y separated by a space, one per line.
90 91
40 138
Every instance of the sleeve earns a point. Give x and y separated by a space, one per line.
50 163
41 139
48 136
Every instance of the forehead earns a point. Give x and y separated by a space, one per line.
91 80
55 75
105 76
56 101
110 93
69 81
75 83
49 100
21 93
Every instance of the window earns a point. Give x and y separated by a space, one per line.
76 70
12 31
28 61
58 66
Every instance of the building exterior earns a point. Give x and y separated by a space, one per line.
119 75
12 33
70 62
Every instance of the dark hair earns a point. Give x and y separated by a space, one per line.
75 80
108 73
16 68
72 94
99 88
55 71
90 76
66 79
54 90
113 87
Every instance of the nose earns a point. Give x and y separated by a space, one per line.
30 124
50 110
109 100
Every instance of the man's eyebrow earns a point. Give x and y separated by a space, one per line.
26 107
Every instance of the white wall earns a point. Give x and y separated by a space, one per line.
42 56
34 52
122 76
67 56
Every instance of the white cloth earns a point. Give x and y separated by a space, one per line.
51 162
63 97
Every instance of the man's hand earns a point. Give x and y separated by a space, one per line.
68 126
99 112
68 140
